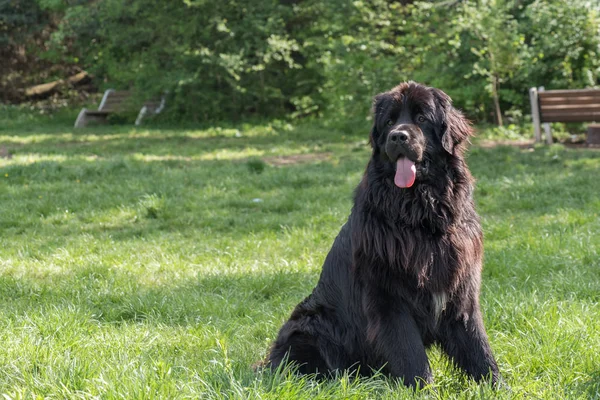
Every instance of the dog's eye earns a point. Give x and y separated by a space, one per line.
389 122
421 119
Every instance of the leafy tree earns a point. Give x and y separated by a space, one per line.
565 39
22 23
239 58
218 59
500 48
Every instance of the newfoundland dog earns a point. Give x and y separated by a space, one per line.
405 270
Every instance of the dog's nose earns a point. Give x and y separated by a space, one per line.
399 137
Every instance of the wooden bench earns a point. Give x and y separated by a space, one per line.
115 101
150 108
547 106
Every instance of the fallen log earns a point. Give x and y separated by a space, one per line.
47 89
43 90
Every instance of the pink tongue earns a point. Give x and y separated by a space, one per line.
405 173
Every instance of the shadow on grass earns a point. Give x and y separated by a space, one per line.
110 296
589 389
513 181
130 198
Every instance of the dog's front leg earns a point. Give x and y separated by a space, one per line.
464 339
394 336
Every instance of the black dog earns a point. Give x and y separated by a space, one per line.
405 270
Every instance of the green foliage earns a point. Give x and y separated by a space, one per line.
20 24
359 54
256 165
218 60
564 38
18 20
241 58
476 48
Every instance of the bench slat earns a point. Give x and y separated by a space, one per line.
559 113
570 107
120 93
572 117
569 100
569 93
115 101
96 112
115 105
117 98
112 107
554 99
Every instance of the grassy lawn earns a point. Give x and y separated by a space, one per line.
160 263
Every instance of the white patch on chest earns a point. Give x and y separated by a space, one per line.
439 304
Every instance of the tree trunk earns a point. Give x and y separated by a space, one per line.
496 100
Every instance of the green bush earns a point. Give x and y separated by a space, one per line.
240 58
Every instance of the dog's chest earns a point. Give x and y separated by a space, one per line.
438 304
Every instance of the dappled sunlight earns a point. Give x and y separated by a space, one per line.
568 217
285 156
277 155
247 131
32 158
41 271
219 155
147 261
95 135
169 145
67 138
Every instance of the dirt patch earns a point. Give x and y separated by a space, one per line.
488 144
5 153
280 161
585 146
529 144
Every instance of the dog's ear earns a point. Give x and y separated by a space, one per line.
379 104
456 129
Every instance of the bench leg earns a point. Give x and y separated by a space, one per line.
548 131
535 114
84 119
81 120
141 115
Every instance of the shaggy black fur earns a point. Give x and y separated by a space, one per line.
404 272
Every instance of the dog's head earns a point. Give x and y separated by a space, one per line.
413 126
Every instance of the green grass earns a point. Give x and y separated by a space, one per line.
160 263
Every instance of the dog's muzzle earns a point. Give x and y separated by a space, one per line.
404 147
405 141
